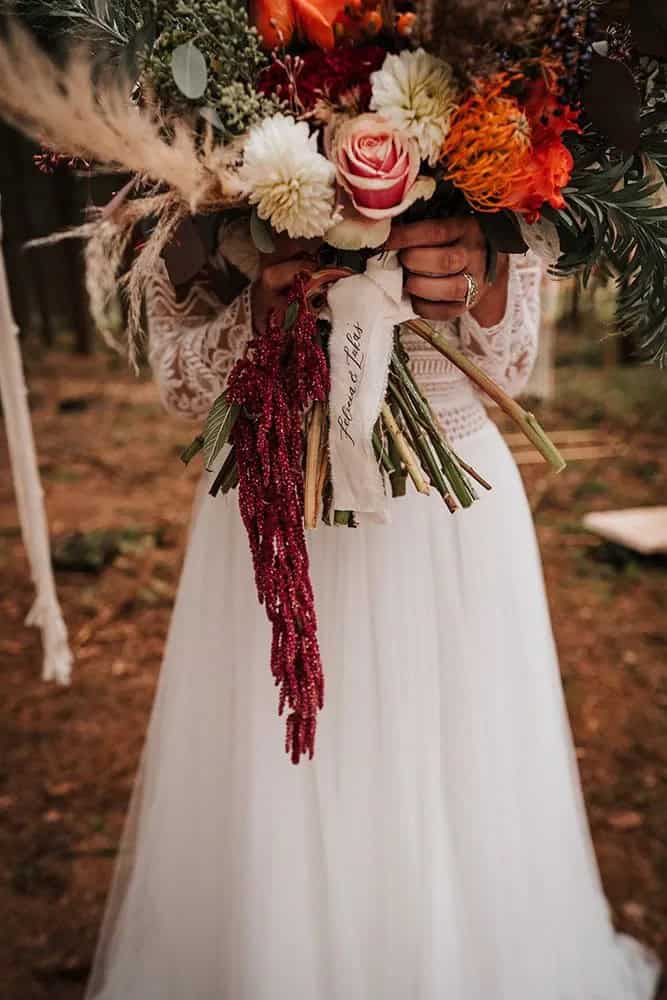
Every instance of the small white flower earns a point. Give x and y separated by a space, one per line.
292 185
418 94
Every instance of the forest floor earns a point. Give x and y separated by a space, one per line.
109 459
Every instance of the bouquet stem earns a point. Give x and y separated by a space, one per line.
406 453
526 421
428 438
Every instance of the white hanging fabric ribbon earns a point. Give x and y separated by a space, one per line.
45 613
364 309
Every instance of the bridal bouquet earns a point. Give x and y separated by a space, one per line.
326 120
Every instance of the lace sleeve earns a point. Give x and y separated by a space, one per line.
507 351
193 342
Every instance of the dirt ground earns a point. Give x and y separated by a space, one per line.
109 459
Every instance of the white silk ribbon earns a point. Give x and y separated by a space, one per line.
365 309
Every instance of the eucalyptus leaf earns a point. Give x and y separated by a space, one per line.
188 68
260 230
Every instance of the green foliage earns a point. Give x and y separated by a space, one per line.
220 30
219 425
615 220
143 34
110 23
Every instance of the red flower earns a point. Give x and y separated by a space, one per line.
548 118
548 172
550 163
327 75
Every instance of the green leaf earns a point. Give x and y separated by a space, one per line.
291 315
228 477
192 449
188 68
261 233
219 425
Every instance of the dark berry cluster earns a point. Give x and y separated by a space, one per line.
575 30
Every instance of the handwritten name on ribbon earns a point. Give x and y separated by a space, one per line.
365 309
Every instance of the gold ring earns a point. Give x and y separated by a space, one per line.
472 291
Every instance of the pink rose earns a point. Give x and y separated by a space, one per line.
376 164
378 169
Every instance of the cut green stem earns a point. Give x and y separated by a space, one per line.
406 453
524 420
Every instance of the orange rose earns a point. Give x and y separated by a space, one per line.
277 20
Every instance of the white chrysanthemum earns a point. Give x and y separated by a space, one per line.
292 185
418 94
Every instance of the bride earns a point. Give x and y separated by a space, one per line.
437 844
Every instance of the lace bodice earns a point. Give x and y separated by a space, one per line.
196 338
506 352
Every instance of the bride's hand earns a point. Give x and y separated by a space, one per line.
277 273
437 254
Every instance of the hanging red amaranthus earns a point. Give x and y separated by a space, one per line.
283 373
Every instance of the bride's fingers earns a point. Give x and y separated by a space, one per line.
450 290
438 261
270 291
438 311
429 233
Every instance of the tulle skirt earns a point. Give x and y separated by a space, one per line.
437 845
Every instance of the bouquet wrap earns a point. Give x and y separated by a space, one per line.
365 309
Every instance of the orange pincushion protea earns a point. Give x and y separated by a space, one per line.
487 149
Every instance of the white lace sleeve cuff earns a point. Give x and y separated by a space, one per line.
194 343
507 351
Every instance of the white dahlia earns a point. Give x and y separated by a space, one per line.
418 94
292 185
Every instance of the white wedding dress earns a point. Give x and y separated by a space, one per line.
437 847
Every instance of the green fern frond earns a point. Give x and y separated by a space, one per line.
615 219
